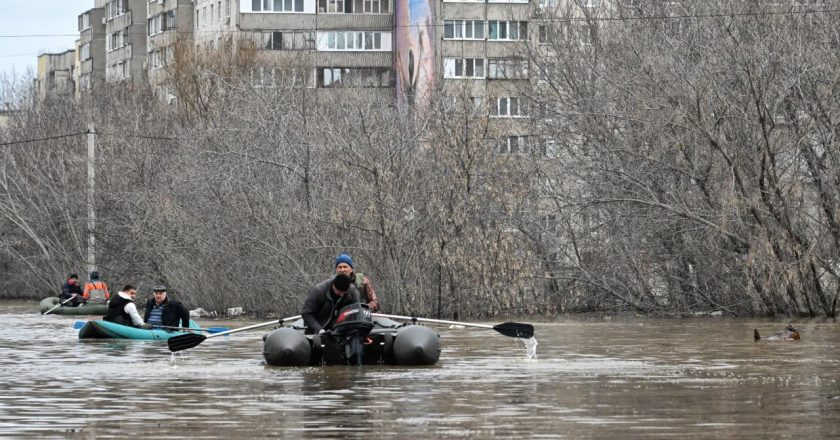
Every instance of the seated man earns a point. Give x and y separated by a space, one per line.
344 264
96 290
71 288
325 300
121 309
162 311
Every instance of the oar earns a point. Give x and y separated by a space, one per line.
208 330
512 329
61 304
190 340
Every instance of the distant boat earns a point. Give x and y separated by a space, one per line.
87 309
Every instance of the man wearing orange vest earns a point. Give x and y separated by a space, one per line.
96 288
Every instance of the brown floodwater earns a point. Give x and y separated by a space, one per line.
627 378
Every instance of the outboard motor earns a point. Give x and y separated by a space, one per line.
354 322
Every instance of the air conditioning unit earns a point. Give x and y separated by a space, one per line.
104 20
160 2
226 20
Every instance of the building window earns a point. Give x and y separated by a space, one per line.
463 29
513 145
115 8
226 8
277 5
84 21
509 107
84 52
463 67
156 25
507 30
355 41
507 68
353 76
114 40
288 40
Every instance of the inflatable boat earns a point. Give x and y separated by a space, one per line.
110 330
356 338
87 309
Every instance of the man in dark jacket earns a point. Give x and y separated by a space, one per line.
70 288
163 311
325 300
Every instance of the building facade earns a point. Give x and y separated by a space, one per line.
55 74
125 40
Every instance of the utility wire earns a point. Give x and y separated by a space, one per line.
27 141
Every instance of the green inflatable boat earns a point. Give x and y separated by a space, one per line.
87 309
109 330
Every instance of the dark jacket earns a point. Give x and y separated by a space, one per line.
173 312
116 311
322 305
69 289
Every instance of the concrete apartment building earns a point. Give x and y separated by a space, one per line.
342 43
91 48
167 23
469 49
55 74
125 39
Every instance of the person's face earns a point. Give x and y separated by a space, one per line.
343 269
74 281
160 296
132 293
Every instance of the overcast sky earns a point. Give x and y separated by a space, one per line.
29 28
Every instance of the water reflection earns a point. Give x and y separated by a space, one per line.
628 379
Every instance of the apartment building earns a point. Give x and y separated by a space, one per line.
331 43
55 74
167 23
91 50
125 40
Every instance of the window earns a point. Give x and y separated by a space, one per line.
507 68
513 145
510 107
507 30
169 21
353 76
463 68
84 52
288 40
277 5
84 21
463 29
212 15
352 40
226 8
376 7
114 40
156 25
115 8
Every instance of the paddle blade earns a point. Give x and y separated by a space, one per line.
183 342
515 330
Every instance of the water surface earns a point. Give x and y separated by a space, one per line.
622 378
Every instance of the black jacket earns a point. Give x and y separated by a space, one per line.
173 312
322 305
69 289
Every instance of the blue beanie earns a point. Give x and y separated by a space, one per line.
343 258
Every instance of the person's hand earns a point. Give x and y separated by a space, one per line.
147 326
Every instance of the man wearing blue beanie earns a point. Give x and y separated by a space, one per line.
344 265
